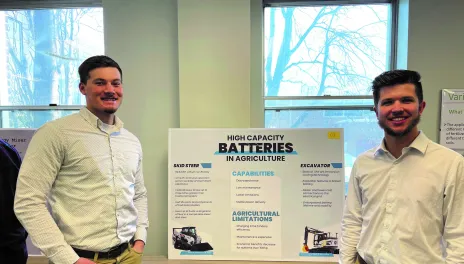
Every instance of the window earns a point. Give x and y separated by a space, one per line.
319 63
40 52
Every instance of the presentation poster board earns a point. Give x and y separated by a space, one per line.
255 194
19 138
452 119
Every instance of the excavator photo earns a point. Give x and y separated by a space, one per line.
323 242
186 238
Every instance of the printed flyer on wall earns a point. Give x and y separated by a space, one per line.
18 138
452 119
255 194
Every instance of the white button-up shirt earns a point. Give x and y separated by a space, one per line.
400 210
92 175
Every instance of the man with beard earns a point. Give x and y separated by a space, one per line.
405 200
90 169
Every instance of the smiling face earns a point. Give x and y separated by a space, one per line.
398 110
103 92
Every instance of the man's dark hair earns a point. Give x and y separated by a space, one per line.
100 61
395 77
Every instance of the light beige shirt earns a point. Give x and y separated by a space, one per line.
400 210
92 175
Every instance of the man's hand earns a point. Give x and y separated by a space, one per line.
84 261
139 245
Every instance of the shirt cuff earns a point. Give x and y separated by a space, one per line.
141 234
66 256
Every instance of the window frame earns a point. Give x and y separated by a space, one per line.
18 5
391 65
9 5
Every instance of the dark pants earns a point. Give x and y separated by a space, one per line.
14 253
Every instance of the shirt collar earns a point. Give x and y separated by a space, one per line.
420 144
96 122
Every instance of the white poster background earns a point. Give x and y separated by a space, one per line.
452 119
19 138
205 191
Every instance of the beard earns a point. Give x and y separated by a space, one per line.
110 111
408 129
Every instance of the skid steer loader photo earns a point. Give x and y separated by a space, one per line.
323 242
186 238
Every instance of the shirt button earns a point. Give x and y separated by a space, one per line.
387 221
388 208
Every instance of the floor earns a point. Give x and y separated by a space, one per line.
163 260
